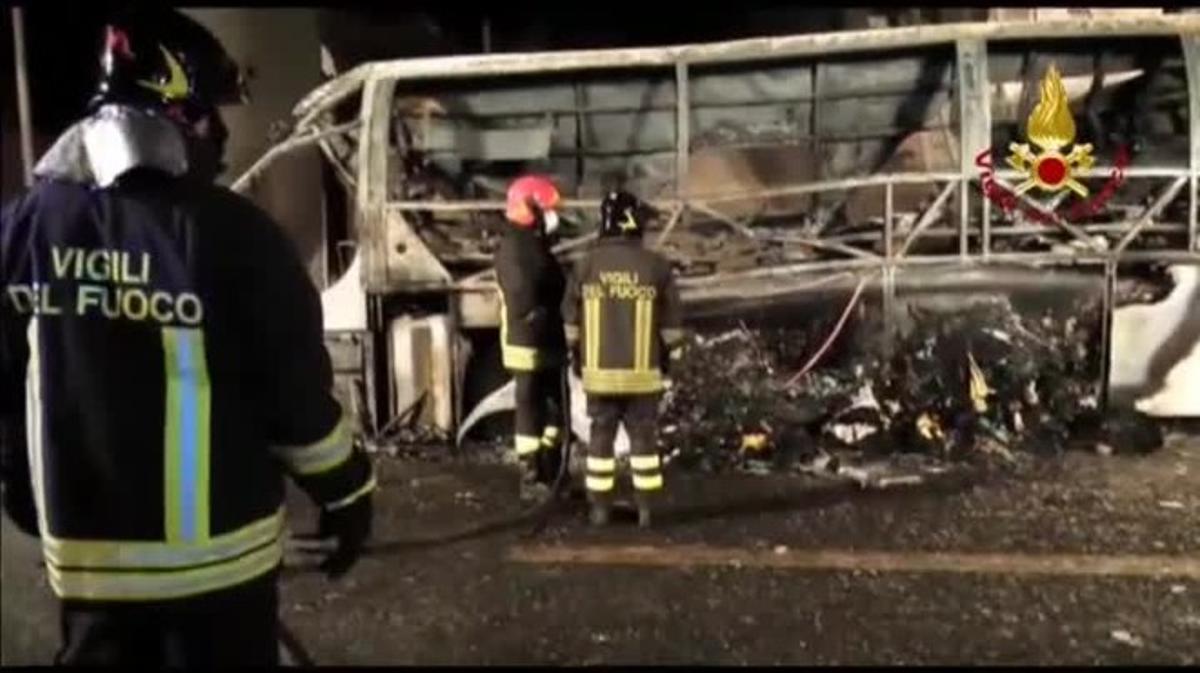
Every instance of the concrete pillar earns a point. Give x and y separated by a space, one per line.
282 49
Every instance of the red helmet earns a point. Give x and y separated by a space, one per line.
537 187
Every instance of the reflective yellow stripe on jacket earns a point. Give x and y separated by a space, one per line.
322 455
515 358
622 381
641 378
136 570
100 585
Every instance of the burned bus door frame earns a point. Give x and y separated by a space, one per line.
372 194
1191 60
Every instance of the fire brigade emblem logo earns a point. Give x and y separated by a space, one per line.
1051 128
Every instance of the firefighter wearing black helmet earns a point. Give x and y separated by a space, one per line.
623 317
162 369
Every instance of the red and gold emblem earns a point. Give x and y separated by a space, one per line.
1052 129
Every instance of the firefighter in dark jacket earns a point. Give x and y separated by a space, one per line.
533 347
162 369
622 317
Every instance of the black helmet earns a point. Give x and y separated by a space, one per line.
162 59
623 214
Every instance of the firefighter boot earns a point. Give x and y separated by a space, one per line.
599 514
532 488
645 507
643 511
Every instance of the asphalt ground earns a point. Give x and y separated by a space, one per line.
1080 559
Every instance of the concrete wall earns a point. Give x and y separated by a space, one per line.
281 48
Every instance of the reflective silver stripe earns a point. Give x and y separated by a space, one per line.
571 332
113 554
158 585
350 499
325 454
33 422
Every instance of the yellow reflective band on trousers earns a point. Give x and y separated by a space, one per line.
186 436
144 555
160 585
600 474
514 358
527 444
322 455
645 482
645 462
601 465
622 381
599 484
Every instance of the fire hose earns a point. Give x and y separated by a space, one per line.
540 513
833 335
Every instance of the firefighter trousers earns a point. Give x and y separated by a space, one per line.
538 422
229 628
639 413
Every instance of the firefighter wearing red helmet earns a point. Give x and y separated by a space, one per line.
532 342
162 368
623 317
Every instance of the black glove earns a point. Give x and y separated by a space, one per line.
350 526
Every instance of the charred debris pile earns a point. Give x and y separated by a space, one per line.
986 381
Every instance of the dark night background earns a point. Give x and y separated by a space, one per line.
62 42
60 85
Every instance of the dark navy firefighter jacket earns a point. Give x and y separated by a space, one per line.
162 368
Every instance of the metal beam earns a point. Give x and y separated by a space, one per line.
706 199
375 115
725 219
1075 231
676 214
682 129
975 123
819 44
828 186
23 111
464 206
1191 58
822 244
1152 212
928 218
311 136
